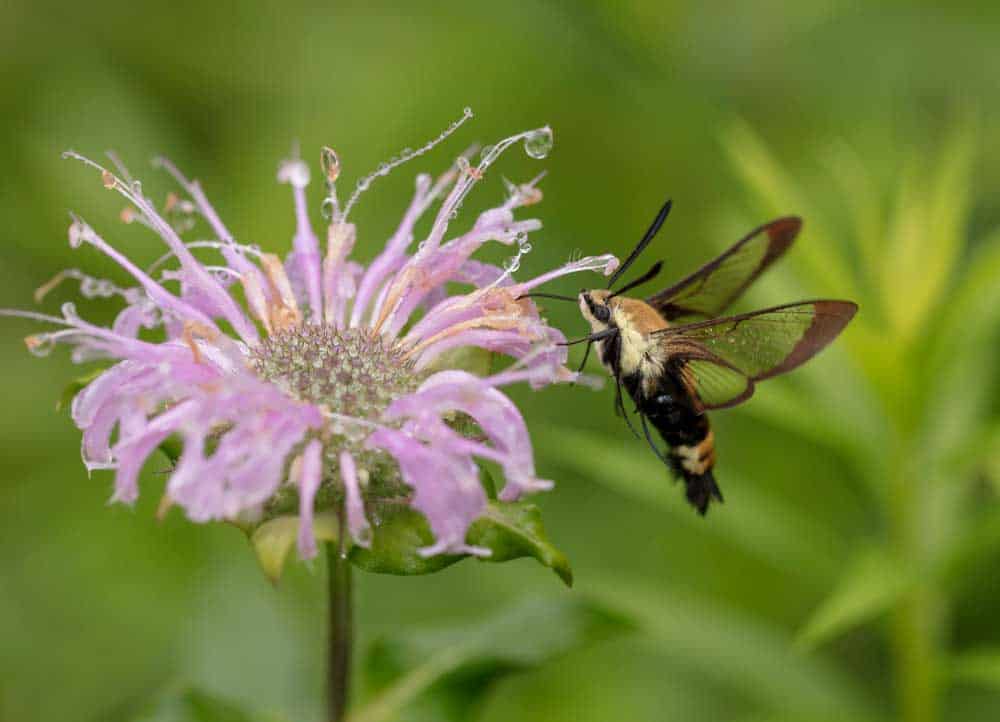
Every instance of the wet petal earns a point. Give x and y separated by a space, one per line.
357 523
310 476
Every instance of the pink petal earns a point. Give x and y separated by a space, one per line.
310 476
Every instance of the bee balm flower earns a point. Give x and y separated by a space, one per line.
314 378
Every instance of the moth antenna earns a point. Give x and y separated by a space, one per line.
644 241
647 276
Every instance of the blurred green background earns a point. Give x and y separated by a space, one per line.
854 571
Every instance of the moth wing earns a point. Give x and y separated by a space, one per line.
720 360
713 287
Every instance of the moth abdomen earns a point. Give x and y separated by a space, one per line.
671 411
701 490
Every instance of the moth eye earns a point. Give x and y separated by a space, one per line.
602 313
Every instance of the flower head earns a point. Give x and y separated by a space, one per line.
314 380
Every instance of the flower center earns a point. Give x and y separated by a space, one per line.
349 371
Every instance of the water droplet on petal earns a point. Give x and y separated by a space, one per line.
327 208
40 344
538 143
75 234
330 163
487 149
294 172
467 112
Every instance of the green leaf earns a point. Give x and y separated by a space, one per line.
870 586
509 531
974 306
190 704
515 530
273 539
443 675
76 386
978 666
398 532
172 448
851 171
926 235
729 648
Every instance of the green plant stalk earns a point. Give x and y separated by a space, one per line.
340 630
915 627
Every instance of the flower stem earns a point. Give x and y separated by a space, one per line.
341 631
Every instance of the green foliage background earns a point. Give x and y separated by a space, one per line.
852 573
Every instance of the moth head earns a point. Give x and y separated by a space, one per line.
594 305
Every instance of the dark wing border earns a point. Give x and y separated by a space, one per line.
830 317
781 233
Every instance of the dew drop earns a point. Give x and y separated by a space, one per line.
294 172
40 344
75 234
330 163
327 208
538 143
484 153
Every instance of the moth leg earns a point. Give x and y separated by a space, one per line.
652 444
586 355
620 407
